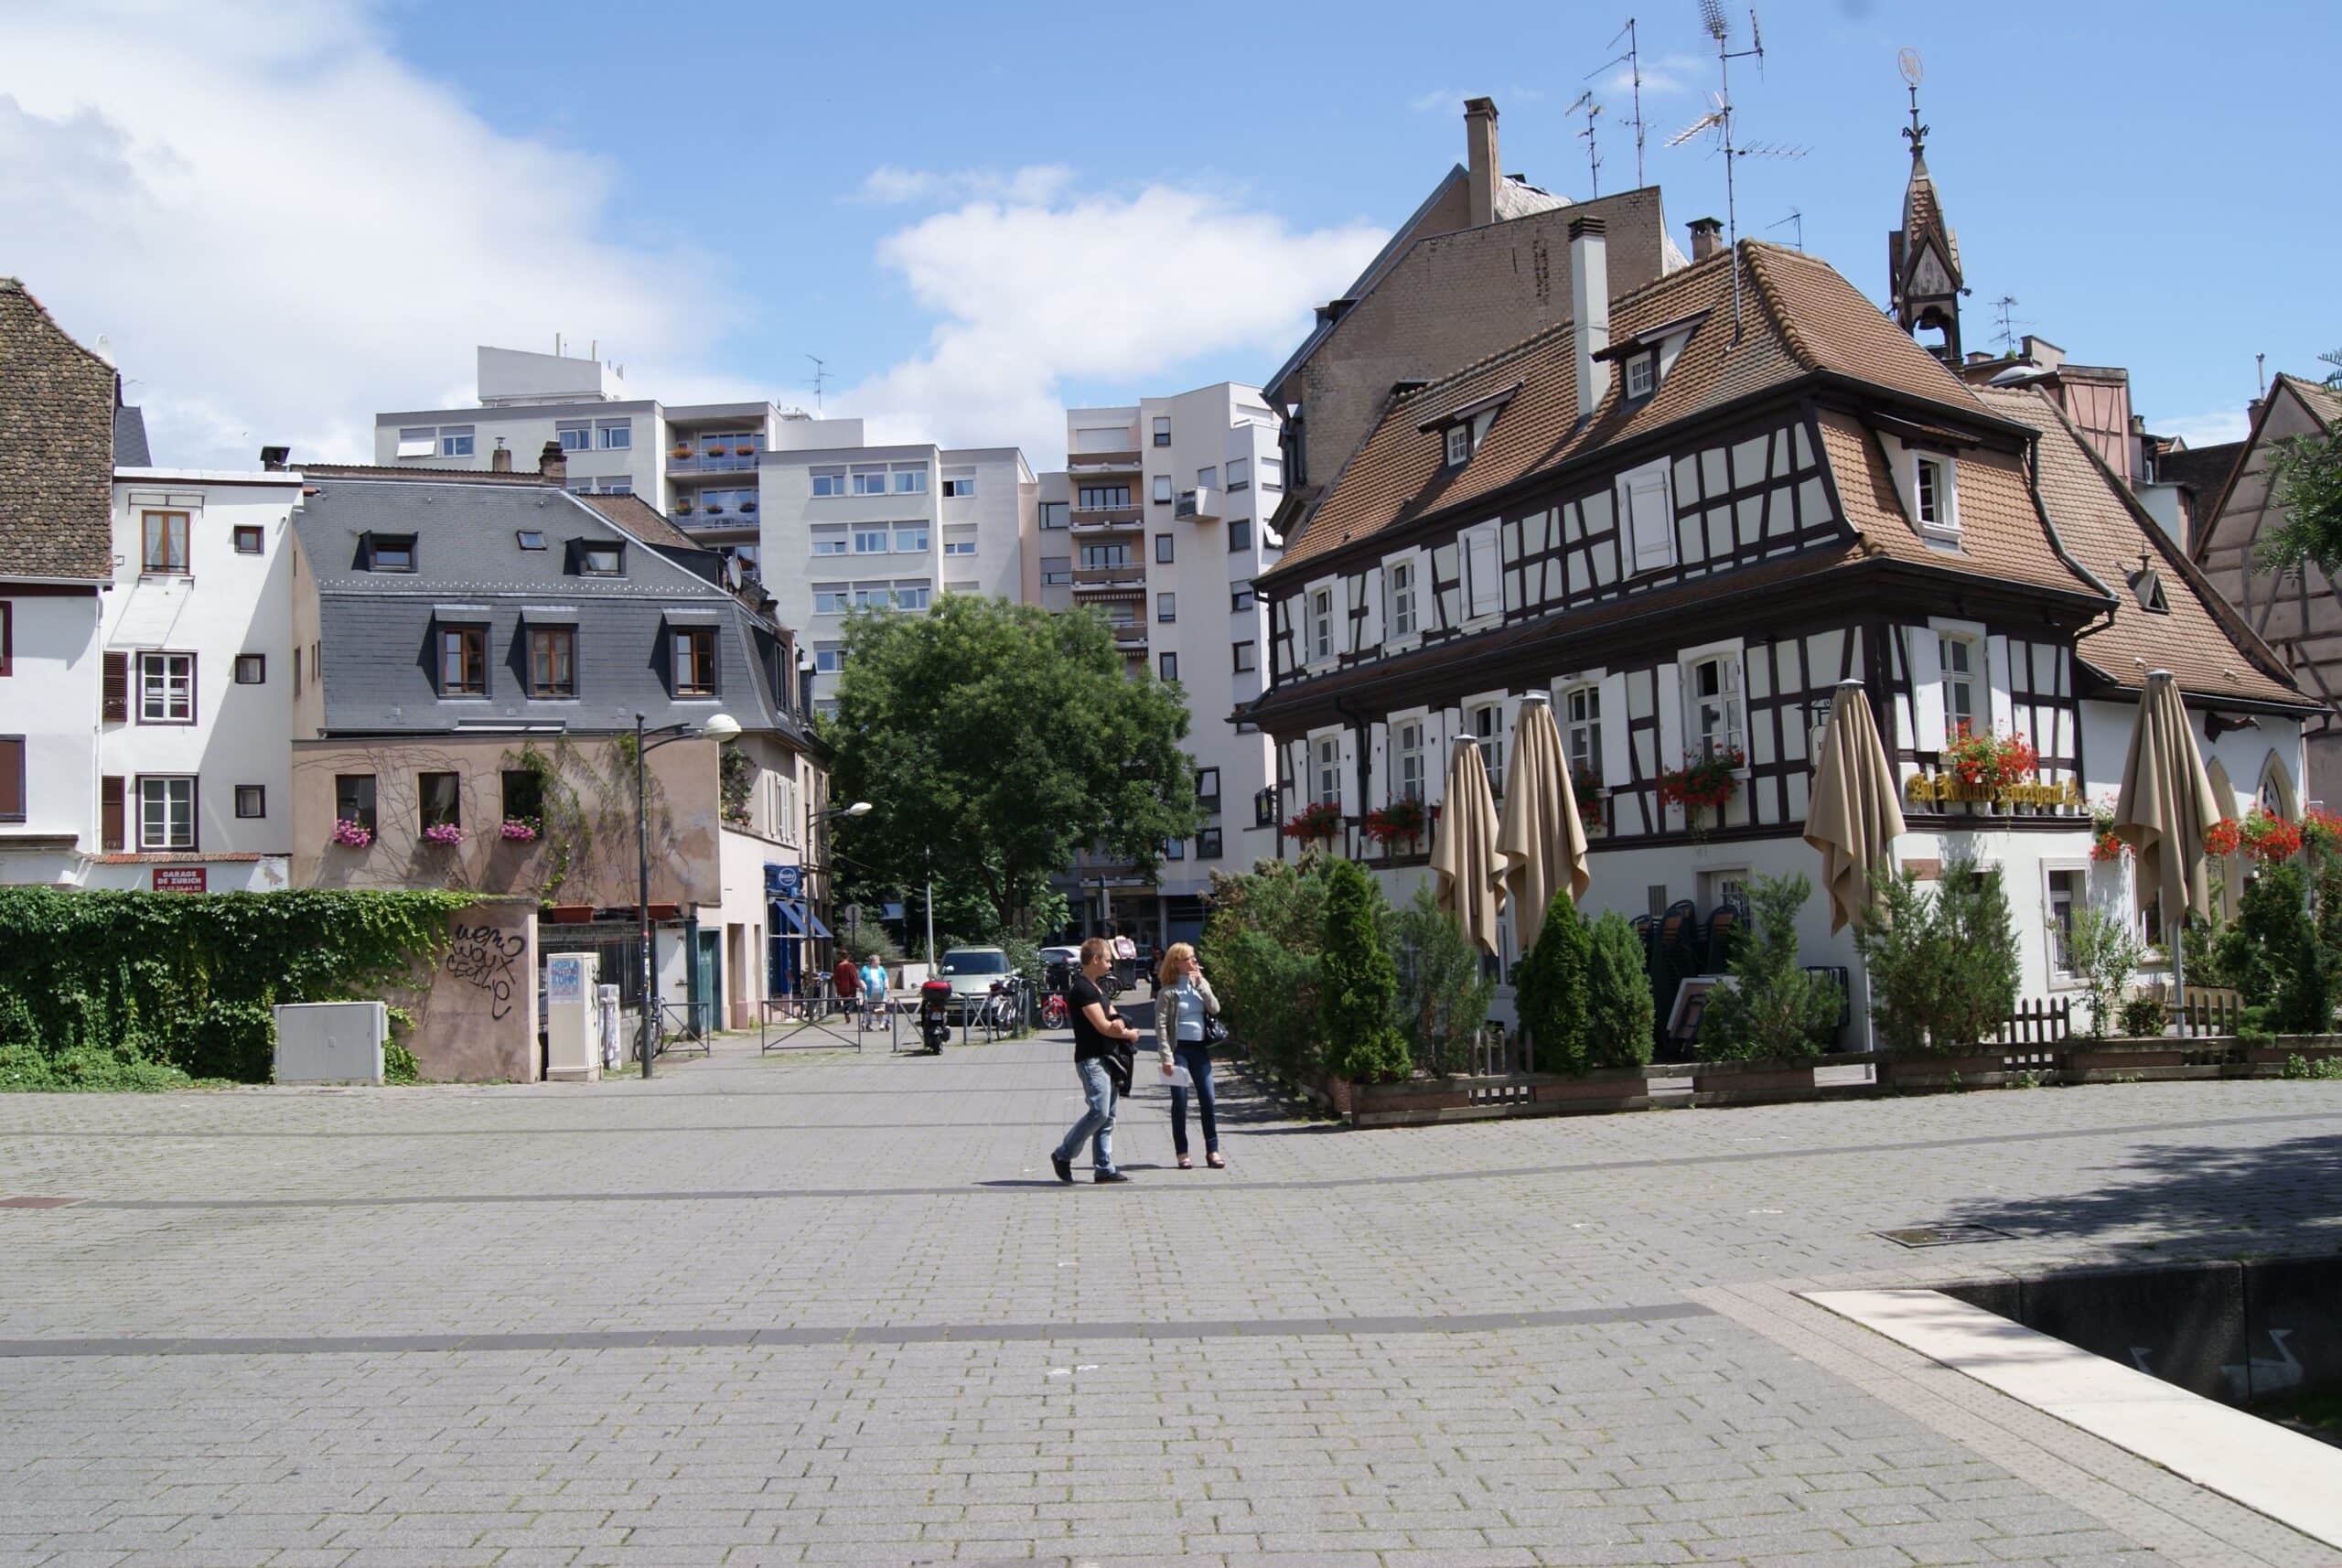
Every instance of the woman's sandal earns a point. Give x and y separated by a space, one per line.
1215 1161
1186 1163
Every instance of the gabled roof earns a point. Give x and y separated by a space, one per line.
1800 319
2323 401
56 426
2323 405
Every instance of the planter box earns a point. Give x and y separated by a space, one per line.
569 914
1978 1070
1750 1083
2269 1061
1602 1088
2157 1057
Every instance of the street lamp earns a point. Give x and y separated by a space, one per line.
814 818
718 728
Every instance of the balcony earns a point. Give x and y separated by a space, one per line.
1107 520
1198 506
705 462
1127 579
1089 463
1130 638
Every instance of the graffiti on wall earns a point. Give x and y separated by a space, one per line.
489 957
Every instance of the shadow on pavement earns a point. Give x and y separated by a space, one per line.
2188 1190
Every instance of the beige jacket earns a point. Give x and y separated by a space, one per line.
1167 1016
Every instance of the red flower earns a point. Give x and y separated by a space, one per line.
1322 820
2222 837
1703 780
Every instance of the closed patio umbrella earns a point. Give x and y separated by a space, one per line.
1855 814
1464 856
1542 840
2165 808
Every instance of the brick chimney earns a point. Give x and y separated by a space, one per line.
1707 237
500 460
1480 158
1590 309
552 463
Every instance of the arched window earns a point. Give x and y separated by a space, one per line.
2275 795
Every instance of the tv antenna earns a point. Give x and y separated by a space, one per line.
1795 221
2003 307
1718 120
820 374
1586 106
1632 59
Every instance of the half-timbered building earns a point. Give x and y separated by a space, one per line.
1688 514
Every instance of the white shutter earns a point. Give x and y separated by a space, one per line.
1669 679
1997 671
1927 691
1648 517
1352 805
1616 765
1370 631
1483 575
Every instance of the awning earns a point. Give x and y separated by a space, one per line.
792 915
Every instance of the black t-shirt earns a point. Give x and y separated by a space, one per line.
1088 1043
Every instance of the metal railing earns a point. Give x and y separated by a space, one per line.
712 463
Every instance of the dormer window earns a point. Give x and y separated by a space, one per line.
596 559
1642 375
1935 499
390 552
2146 586
1459 444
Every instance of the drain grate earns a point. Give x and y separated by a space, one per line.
1944 1235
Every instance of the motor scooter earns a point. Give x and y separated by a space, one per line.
934 1015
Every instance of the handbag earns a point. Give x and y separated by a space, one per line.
1215 1032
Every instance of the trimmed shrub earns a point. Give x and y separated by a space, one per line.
1358 982
1774 1010
1942 968
1261 947
1443 998
1620 1016
2142 1017
2305 1000
2260 948
1549 989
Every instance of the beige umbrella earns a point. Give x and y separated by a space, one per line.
1542 840
2165 808
1853 816
1464 855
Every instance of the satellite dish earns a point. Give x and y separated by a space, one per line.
1907 63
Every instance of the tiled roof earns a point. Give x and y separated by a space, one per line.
56 403
2196 638
2203 469
1923 215
1800 318
129 449
645 521
2324 401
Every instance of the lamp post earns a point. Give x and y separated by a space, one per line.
814 818
718 728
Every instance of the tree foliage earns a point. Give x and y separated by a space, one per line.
1358 982
1261 947
1774 1010
2258 950
1002 737
2103 951
1549 989
1943 970
1620 1015
1442 997
2305 482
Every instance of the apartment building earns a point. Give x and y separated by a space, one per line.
846 525
1159 526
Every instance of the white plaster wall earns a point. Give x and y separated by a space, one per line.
525 431
52 698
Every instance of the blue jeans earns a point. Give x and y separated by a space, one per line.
1096 1123
1196 1057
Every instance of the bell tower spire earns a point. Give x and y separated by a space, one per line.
1923 255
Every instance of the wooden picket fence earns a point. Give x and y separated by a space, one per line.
2034 1022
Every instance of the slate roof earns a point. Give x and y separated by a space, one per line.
57 425
129 449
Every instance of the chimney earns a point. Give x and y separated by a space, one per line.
500 460
1480 158
1707 237
273 458
553 463
1590 309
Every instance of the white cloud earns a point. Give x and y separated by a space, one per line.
1037 183
280 228
1450 101
1117 288
2204 429
1664 77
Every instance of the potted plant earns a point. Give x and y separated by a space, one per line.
2268 838
1708 780
2322 829
714 509
519 829
352 834
1314 825
682 453
744 450
2222 838
1987 761
2103 844
748 506
1400 821
445 836
569 914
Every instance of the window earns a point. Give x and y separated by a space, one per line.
353 800
1642 374
12 788
1715 703
1097 555
463 661
1321 623
1487 724
524 795
872 596
1241 598
249 540
1161 489
1407 760
829 539
872 540
574 437
1958 655
1240 534
390 552
1582 732
252 800
911 481
913 596
2066 896
1483 580
1239 474
454 441
828 481
829 657
1208 789
1057 571
1273 472
833 598
870 482
1163 430
1935 498
1930 487
601 560
1166 609
1206 478
959 538
1649 516
441 798
1459 444
252 668
910 539
1167 666
624 486
166 688
165 813
552 662
695 661
1401 575
1247 658
956 586
1326 772
614 435
1102 497
959 487
1053 514
418 441
166 546
1208 844
530 539
1162 548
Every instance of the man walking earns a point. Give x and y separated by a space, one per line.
1096 1033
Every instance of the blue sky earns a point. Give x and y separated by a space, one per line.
287 218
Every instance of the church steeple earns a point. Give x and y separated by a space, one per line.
1923 255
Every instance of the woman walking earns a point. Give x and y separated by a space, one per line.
1183 1000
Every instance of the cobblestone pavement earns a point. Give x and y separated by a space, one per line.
834 1309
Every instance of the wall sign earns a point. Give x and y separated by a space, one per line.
181 878
1941 787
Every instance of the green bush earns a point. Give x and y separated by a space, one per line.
1942 969
2305 1000
1619 1014
1443 998
2300 1066
1549 989
1358 982
2257 949
1259 945
1773 1010
2142 1017
2103 951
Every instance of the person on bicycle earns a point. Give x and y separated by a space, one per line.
1183 1000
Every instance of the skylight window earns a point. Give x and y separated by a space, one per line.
531 539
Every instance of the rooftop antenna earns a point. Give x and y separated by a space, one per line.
1587 105
1719 120
1633 61
2004 305
2261 372
820 374
1797 220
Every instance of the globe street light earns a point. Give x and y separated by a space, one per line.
718 728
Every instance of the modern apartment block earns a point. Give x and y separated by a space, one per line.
846 526
1159 524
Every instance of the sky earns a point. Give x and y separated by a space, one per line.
283 218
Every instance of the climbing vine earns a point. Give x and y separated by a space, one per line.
588 807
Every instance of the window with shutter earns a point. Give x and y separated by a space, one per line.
110 812
117 688
12 778
1482 579
1649 516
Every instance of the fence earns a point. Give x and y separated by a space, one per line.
2207 1010
2037 1023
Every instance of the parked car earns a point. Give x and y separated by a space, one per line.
971 972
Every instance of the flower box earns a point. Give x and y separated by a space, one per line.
1750 1082
1314 825
1401 822
443 835
748 506
743 451
1988 761
569 914
352 834
714 511
518 830
681 452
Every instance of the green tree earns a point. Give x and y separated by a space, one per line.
2259 948
1619 1012
2305 482
1549 989
1942 969
2103 951
2304 1004
1001 738
1358 982
1774 1010
1443 997
1259 945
